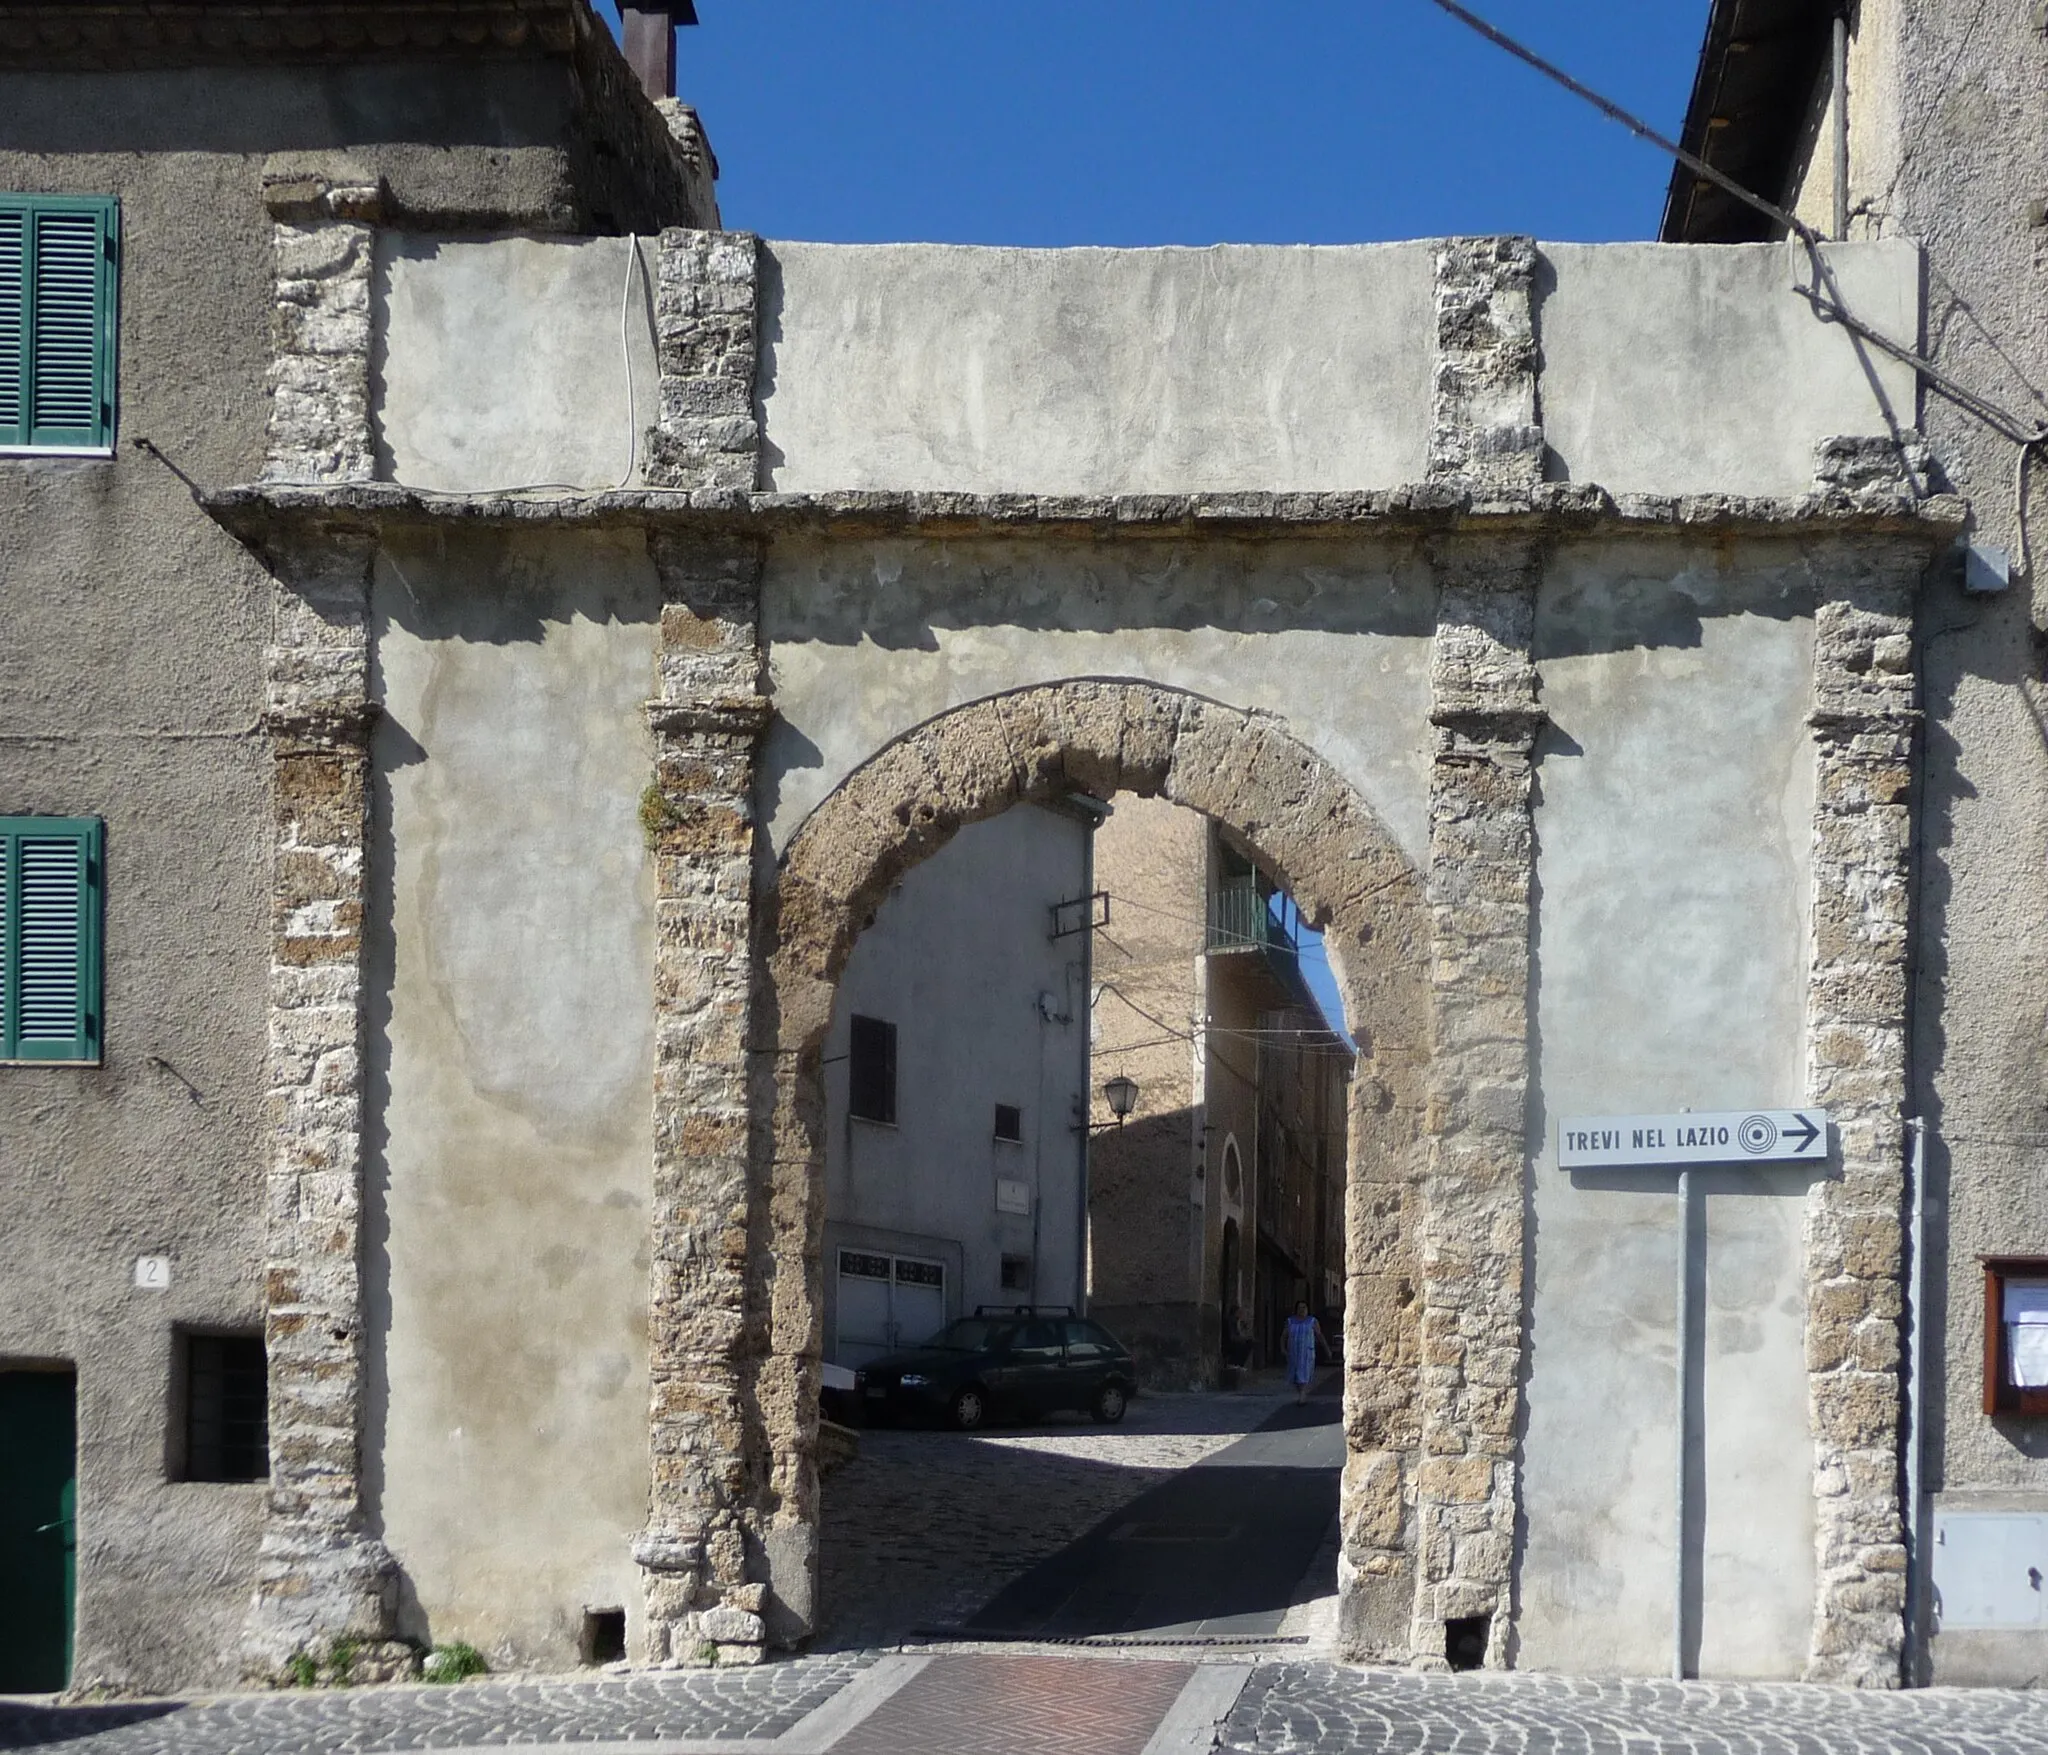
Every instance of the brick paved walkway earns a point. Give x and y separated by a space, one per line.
1004 1705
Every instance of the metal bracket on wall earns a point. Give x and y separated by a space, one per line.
1081 914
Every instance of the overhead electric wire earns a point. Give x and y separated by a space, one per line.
1829 306
1634 124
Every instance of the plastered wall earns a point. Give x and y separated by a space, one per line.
1661 369
511 1084
1948 127
1673 821
1673 833
486 386
1668 369
867 640
130 682
1089 371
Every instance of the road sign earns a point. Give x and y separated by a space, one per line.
1733 1136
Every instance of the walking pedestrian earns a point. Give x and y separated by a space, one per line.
1304 1339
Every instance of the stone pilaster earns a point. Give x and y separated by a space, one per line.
1481 866
1864 723
707 337
1485 428
320 1577
701 1603
320 419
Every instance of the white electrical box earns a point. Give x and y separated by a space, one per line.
1989 1568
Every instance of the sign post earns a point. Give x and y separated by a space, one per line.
1681 1142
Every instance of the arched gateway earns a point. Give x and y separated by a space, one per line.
1242 769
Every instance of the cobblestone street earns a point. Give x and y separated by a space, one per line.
926 1526
1031 1702
703 1704
1322 1708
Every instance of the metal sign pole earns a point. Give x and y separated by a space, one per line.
1680 1141
1683 1352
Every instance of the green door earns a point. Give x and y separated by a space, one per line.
38 1529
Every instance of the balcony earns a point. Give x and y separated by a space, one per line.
1246 914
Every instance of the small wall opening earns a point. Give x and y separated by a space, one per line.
220 1407
603 1640
1465 1641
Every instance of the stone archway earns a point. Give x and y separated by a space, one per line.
1351 881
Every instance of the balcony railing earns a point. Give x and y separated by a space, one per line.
1243 916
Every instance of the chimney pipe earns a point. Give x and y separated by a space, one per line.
650 40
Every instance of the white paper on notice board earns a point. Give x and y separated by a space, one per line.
2029 1350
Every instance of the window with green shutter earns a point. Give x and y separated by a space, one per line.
51 884
59 277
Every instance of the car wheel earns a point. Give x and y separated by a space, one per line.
970 1410
1109 1404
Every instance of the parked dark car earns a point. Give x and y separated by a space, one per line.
997 1362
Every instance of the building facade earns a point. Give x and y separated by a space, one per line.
1572 690
1219 1201
956 1084
184 186
1935 131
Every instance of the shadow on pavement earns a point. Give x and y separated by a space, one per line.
926 1526
39 1727
1216 1550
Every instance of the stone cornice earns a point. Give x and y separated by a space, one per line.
265 511
88 35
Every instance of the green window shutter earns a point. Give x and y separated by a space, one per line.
59 321
13 325
52 879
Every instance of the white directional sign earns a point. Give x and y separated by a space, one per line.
1733 1136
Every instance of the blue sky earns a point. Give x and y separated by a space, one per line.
1180 121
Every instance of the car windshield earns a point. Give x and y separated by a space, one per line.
971 1334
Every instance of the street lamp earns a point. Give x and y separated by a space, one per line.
1121 1093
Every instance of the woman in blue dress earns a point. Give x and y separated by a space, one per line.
1304 1337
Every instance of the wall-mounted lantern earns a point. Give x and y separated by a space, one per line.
1121 1093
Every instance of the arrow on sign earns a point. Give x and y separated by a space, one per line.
1804 1135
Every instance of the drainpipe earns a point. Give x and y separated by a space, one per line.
1841 121
1084 1015
1916 1394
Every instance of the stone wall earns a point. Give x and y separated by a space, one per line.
706 1323
321 1578
707 346
1865 723
1391 786
1482 857
1154 1179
